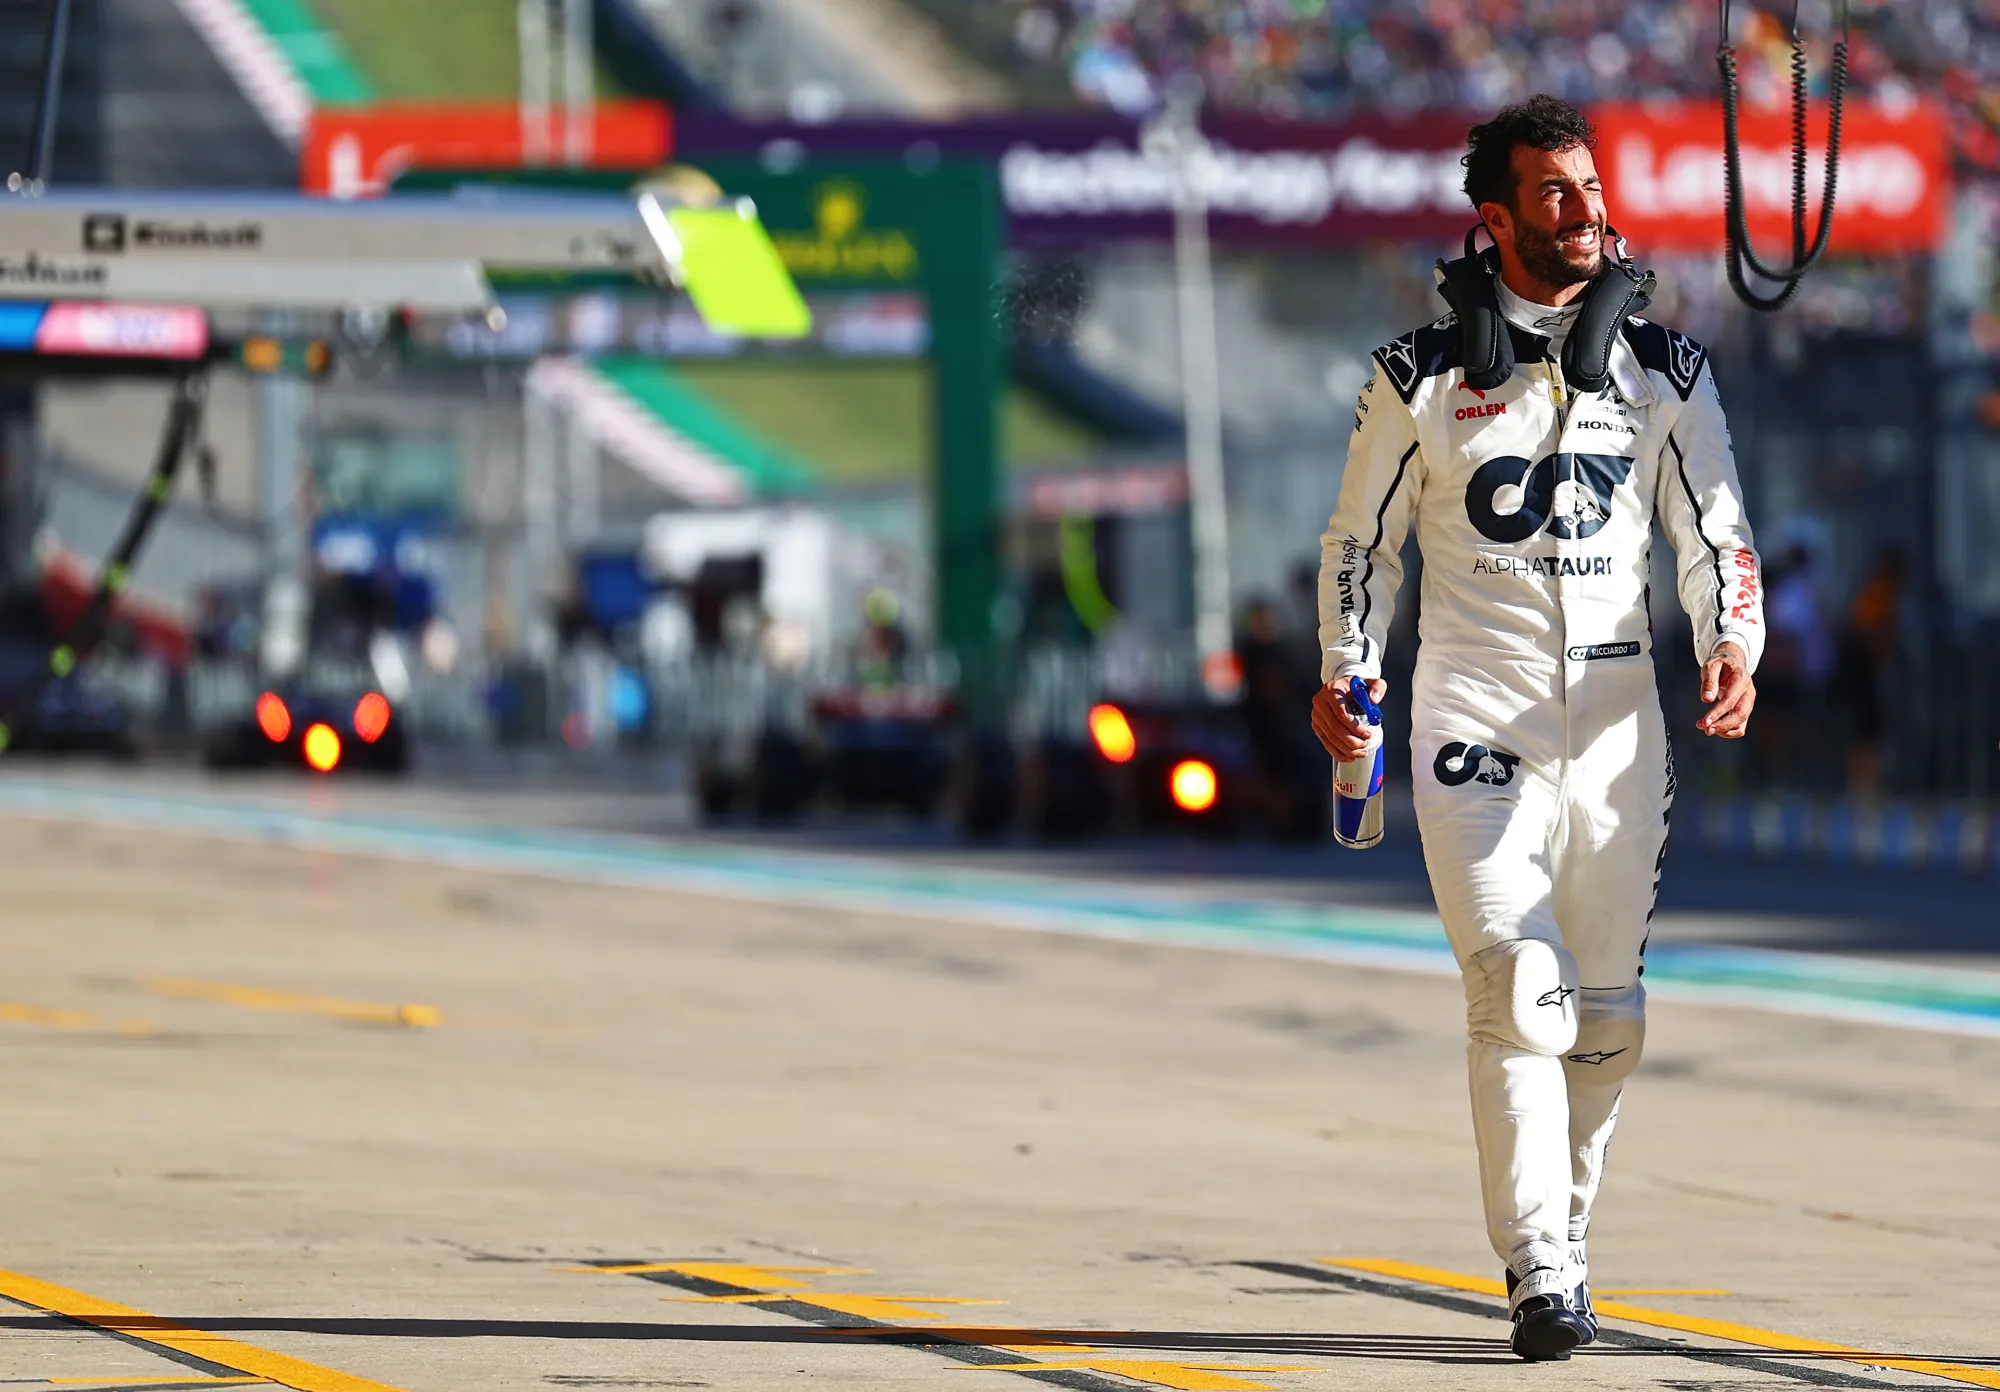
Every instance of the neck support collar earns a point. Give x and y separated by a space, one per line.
1468 286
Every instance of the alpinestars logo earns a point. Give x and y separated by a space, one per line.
1491 408
1558 997
1685 363
1601 1056
1399 357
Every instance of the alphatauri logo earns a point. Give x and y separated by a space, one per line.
1459 763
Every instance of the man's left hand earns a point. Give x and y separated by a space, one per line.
1731 695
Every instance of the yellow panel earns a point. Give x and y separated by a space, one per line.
735 276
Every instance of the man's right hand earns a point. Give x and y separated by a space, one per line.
1343 732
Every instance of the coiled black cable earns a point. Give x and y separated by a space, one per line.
1737 224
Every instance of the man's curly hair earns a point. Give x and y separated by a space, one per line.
1542 122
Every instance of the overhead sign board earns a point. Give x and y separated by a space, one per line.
359 151
1371 179
1663 176
1079 179
288 250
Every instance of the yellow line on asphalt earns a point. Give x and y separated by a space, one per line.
862 1306
724 1273
255 1363
14 1012
1158 1372
287 1002
1686 1324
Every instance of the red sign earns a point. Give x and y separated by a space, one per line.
1662 168
357 151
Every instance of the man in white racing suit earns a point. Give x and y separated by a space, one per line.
1542 772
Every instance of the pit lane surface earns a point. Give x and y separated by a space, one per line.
308 1093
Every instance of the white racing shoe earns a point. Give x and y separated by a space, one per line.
1546 1325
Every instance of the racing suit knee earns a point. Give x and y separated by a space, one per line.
1610 1037
1521 1018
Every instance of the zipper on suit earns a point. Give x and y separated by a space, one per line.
1561 400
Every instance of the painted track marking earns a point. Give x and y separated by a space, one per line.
1080 1366
409 1015
1685 1324
213 1350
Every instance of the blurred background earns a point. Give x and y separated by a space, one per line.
1083 273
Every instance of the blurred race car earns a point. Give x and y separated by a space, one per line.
318 731
69 716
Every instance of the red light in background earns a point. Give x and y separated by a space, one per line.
274 718
1193 785
1112 733
371 717
322 748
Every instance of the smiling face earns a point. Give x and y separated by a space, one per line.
1552 239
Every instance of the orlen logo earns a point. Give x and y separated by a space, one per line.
1490 408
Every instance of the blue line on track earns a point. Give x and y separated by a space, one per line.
1951 1000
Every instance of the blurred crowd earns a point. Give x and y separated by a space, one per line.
1325 58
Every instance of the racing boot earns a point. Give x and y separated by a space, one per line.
1546 1326
1579 1289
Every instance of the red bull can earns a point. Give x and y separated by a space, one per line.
1357 783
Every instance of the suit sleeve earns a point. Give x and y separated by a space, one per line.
1701 507
1360 554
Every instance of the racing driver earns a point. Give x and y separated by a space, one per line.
1542 769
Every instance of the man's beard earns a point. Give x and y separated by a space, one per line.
1542 254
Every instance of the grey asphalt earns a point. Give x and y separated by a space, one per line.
344 1123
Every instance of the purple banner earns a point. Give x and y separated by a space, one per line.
1084 179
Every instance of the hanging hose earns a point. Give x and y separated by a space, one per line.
183 423
1737 226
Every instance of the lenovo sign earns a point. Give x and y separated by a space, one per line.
1663 177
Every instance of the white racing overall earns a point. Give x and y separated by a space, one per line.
1542 769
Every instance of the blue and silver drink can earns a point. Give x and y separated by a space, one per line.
1357 783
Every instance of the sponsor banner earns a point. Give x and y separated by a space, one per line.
1085 179
177 332
1663 176
1081 179
357 152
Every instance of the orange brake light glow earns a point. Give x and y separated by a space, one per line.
274 718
